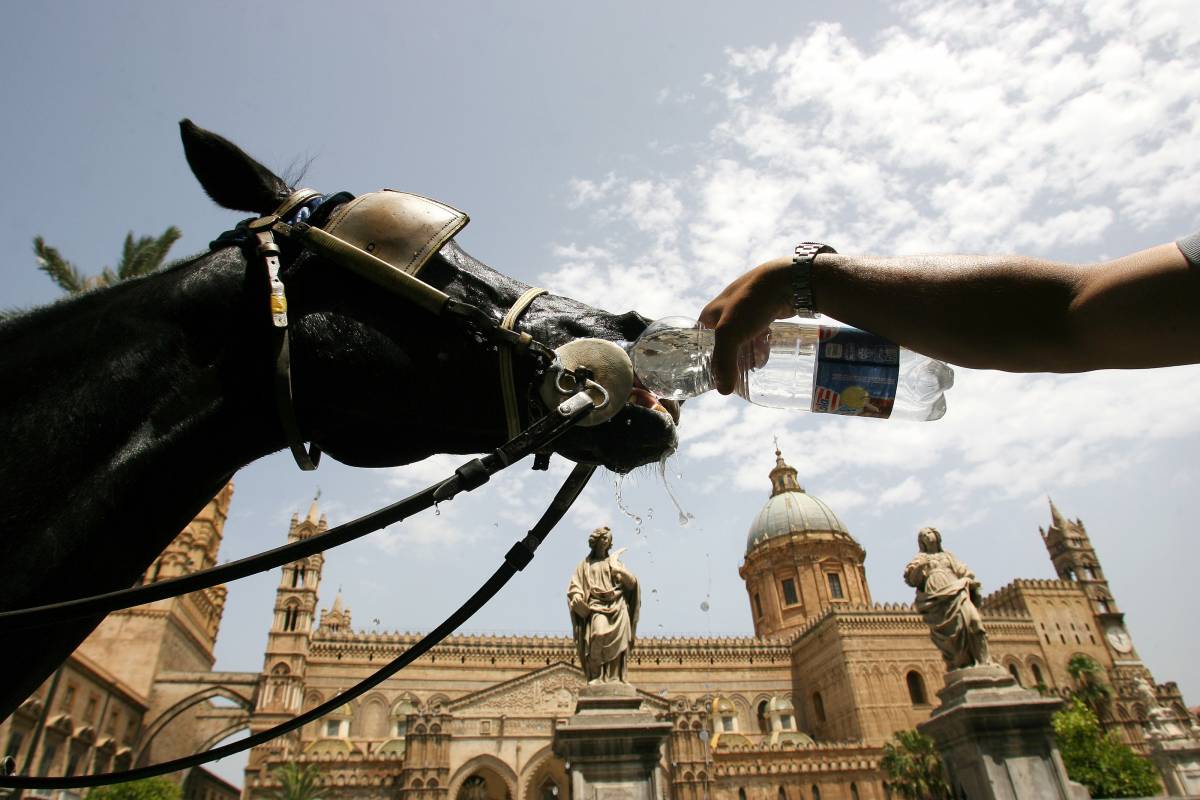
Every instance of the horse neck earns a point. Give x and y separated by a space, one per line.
130 408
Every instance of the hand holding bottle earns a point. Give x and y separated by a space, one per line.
743 312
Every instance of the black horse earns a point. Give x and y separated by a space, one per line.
124 410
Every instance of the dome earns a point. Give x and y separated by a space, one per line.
791 510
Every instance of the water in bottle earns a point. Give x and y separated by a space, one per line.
812 365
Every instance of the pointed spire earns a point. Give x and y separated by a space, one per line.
314 513
783 477
1055 515
337 603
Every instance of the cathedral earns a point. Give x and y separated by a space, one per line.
799 710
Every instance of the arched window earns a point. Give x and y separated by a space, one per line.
1105 607
297 576
548 791
818 706
916 688
764 724
1012 670
816 792
741 794
782 794
1037 675
400 713
291 616
1089 571
853 792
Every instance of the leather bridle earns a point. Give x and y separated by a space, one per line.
575 386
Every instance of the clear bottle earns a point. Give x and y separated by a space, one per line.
810 365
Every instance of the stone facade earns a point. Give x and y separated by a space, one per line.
800 710
137 690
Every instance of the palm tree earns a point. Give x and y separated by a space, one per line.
297 782
1089 688
139 257
914 768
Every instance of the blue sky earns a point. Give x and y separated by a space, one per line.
640 156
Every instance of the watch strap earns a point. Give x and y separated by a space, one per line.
802 293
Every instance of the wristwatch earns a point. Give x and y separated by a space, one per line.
802 293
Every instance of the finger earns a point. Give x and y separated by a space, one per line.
725 355
712 313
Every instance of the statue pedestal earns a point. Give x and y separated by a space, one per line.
995 738
613 747
1175 751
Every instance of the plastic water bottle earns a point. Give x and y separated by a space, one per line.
811 365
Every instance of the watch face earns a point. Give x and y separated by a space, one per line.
1119 639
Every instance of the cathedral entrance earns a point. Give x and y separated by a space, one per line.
484 784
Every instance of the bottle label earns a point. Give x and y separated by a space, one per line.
856 373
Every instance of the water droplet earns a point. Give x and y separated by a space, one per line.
704 605
637 521
437 511
684 516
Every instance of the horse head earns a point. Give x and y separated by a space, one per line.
379 381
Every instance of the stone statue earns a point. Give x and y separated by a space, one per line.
948 599
1145 692
604 601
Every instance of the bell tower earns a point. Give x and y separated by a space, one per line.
288 641
1075 560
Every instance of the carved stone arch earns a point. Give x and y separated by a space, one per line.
479 764
437 701
217 738
1139 711
1122 712
156 726
542 766
373 718
745 712
312 699
759 709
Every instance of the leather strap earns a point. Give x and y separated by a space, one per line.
508 383
285 407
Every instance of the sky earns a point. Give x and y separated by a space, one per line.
639 156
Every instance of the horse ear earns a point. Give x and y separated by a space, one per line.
229 176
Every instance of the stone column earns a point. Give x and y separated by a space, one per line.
995 738
613 745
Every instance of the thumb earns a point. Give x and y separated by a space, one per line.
725 359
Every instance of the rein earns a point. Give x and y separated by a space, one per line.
575 385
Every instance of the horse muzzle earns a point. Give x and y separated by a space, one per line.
611 368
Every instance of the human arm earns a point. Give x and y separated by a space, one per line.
995 312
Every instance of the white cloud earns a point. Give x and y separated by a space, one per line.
907 491
1006 126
